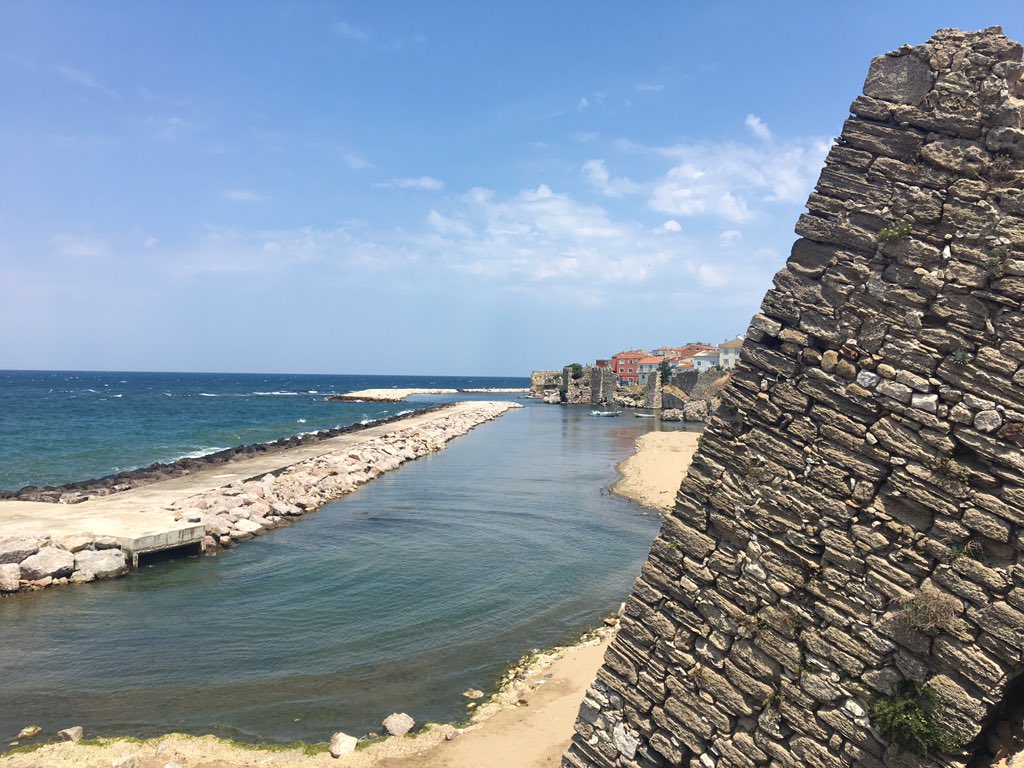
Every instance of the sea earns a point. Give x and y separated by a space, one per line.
430 580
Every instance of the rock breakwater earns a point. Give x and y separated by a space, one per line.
246 508
250 508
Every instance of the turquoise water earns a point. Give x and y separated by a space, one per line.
60 426
425 582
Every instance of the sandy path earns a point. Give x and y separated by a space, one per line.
651 476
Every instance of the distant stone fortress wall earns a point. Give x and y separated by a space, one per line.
841 581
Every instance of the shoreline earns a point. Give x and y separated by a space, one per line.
80 490
43 545
652 475
527 722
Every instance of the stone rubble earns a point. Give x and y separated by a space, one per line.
867 454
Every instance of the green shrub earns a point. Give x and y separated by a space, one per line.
907 718
897 231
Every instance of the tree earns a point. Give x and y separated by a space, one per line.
577 370
665 371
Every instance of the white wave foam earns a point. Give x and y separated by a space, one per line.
277 394
207 394
118 395
300 421
200 453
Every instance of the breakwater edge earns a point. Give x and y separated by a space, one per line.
228 513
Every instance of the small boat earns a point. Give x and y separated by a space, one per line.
644 415
605 413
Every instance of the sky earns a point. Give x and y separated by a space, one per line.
465 188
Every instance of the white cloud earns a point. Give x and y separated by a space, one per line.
80 246
584 103
447 226
731 180
410 182
650 87
344 29
729 236
85 80
758 127
355 161
596 173
243 196
670 226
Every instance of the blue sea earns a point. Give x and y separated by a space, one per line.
430 580
57 427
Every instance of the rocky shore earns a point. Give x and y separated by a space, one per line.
79 491
397 395
243 509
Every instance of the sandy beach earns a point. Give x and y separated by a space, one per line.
527 724
652 475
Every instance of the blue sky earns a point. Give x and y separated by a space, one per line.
412 187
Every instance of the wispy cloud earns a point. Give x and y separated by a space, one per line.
583 104
412 182
350 31
597 174
355 161
85 80
238 195
650 87
86 247
731 180
758 127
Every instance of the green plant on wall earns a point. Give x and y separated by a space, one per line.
577 370
897 231
665 371
907 717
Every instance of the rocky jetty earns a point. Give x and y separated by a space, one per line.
36 562
250 508
74 493
841 580
244 509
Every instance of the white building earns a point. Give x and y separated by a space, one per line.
729 353
704 361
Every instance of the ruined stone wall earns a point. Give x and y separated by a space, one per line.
851 525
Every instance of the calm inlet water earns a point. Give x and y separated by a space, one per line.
425 582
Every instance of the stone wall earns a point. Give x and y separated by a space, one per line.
542 382
596 386
849 536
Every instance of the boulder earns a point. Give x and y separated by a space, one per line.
245 528
104 564
48 561
342 744
17 549
75 543
696 410
72 734
398 724
10 576
106 542
82 577
672 414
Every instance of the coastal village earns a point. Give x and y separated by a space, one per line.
678 383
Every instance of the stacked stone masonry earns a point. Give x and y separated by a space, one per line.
867 454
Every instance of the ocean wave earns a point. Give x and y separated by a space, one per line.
207 394
402 413
117 396
300 421
200 453
277 394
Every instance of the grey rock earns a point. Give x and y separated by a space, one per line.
14 550
103 564
73 734
10 575
929 403
48 561
902 79
988 421
342 744
398 724
75 543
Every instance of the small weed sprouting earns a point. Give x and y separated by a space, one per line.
960 357
730 407
754 625
945 466
775 699
966 548
927 610
897 231
907 718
